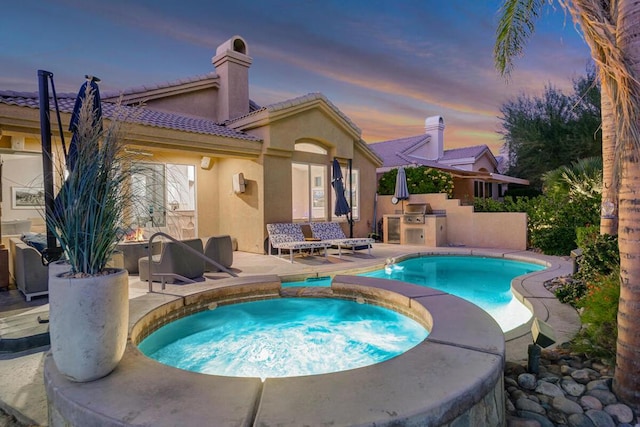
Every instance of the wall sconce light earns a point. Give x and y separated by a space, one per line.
205 162
608 209
238 183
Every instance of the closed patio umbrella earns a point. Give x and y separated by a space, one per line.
402 191
342 206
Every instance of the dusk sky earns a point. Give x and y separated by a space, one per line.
386 64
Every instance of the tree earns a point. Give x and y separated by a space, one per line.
610 29
544 133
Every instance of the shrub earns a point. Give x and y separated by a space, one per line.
519 192
600 309
510 204
600 257
420 180
571 292
553 220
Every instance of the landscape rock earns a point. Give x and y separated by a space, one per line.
583 376
521 422
604 396
510 382
525 404
566 406
559 399
600 418
548 389
573 388
527 381
590 402
580 420
599 385
541 419
619 412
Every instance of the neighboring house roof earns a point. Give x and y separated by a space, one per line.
399 152
393 153
474 152
138 115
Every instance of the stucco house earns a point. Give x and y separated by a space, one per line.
475 170
214 162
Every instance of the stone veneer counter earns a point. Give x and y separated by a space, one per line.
454 377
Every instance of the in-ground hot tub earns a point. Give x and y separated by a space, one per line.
452 377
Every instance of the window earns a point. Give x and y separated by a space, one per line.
148 190
309 147
181 191
157 189
478 189
488 189
308 192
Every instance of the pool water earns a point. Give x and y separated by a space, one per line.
283 337
485 282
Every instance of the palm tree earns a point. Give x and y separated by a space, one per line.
610 28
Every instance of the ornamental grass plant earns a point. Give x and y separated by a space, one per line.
87 219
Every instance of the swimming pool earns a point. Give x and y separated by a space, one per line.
483 281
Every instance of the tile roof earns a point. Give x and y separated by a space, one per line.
314 96
138 115
474 151
142 89
393 152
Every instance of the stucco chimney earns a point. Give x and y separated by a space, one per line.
232 64
434 126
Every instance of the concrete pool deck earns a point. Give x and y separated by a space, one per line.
23 394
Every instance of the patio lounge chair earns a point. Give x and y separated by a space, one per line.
289 236
331 233
174 264
219 249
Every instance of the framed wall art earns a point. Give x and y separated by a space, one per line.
27 197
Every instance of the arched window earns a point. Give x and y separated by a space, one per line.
309 147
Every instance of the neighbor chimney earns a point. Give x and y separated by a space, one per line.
434 127
232 64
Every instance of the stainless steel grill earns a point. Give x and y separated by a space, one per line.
413 213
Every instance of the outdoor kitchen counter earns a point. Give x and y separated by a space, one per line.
428 230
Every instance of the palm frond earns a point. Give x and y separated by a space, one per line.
599 23
515 25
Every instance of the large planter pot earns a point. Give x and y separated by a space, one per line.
88 322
